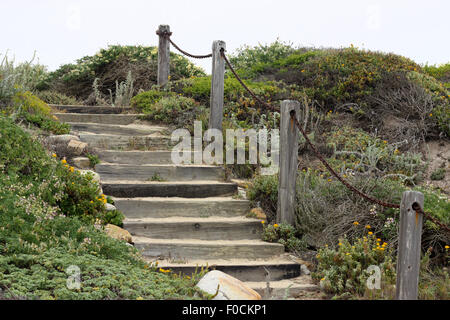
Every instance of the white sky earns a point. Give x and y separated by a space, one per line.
63 31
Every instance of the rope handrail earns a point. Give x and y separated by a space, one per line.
272 108
168 34
322 159
352 188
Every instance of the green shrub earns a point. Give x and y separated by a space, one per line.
53 97
438 174
345 269
175 110
24 106
263 192
284 234
22 77
357 151
441 72
113 64
93 159
26 163
144 101
251 61
37 247
326 209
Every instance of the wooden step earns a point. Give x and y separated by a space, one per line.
163 207
110 141
117 129
194 189
207 249
91 109
212 228
163 172
122 119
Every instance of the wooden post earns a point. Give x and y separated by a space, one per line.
288 162
163 55
217 79
409 246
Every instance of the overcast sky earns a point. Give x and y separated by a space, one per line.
62 31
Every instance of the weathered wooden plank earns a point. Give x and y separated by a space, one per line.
91 109
409 246
163 56
288 162
217 86
211 228
162 189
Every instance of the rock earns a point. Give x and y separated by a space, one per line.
77 147
109 207
62 138
96 176
241 183
81 162
258 213
242 193
118 233
229 288
304 270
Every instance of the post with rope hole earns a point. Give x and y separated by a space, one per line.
163 55
288 162
217 86
409 246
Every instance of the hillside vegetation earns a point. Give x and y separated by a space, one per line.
52 217
371 114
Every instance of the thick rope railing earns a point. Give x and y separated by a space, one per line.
272 108
416 206
168 34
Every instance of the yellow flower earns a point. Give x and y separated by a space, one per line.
368 226
339 244
275 225
384 141
384 244
356 223
63 161
431 114
54 155
382 249
322 279
262 221
163 270
378 240
447 247
347 254
71 169
370 232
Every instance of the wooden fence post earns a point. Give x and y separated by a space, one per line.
409 246
163 56
217 91
288 162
